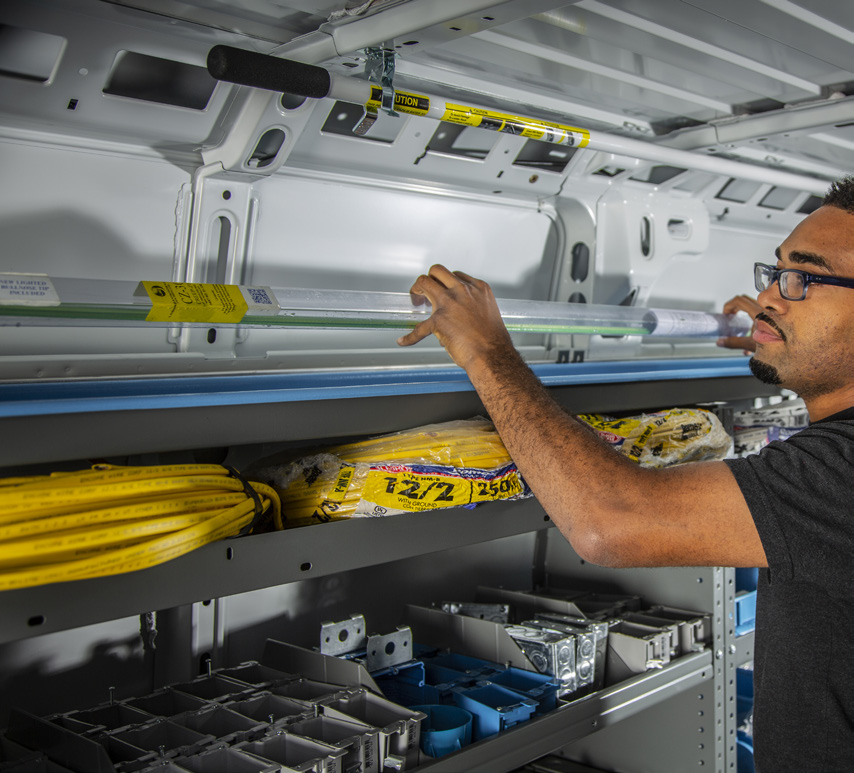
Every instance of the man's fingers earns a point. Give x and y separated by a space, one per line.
742 303
443 275
421 331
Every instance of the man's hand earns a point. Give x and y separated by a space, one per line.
746 304
465 317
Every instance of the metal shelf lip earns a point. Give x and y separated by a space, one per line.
105 395
533 739
229 567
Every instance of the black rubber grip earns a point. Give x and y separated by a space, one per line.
267 72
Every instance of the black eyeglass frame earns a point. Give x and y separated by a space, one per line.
762 270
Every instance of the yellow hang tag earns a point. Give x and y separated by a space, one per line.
190 302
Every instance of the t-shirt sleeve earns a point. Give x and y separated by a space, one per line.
801 495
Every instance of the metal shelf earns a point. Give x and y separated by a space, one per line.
249 563
115 417
744 648
533 739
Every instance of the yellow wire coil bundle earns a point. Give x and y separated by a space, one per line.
110 520
674 436
457 463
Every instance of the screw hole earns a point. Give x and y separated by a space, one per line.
305 567
36 620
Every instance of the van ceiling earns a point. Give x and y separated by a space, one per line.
769 81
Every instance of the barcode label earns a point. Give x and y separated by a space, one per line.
261 300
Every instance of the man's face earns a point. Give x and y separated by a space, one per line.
808 346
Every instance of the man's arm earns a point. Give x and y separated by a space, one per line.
614 512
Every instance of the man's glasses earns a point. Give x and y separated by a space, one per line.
792 283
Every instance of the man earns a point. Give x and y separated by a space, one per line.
788 509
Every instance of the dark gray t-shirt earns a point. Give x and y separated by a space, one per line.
801 495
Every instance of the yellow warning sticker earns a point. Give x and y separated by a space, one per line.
189 302
404 102
531 128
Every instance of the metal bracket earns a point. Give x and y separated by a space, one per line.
343 637
379 67
390 649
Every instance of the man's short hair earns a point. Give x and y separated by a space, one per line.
841 195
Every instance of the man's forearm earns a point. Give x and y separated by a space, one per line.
571 471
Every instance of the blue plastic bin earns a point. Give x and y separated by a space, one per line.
745 612
445 729
494 708
744 753
541 688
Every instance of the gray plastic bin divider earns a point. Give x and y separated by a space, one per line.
167 702
273 709
225 725
359 741
400 727
225 759
66 748
214 688
257 674
166 736
110 716
164 766
125 755
301 754
13 755
309 690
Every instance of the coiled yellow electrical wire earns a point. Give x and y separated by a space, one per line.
110 520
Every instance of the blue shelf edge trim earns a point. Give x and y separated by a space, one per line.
34 398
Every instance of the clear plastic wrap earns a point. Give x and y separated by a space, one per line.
453 464
664 438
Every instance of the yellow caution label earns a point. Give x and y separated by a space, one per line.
189 302
547 131
404 102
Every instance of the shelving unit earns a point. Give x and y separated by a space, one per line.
369 548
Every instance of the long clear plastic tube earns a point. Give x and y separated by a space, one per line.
111 303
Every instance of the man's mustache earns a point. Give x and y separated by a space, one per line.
762 316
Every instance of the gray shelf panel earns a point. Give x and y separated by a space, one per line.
744 649
239 565
538 737
95 434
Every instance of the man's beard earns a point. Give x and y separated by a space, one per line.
766 373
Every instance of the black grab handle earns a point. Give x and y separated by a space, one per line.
247 68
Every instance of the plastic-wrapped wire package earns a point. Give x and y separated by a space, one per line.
457 463
756 428
664 438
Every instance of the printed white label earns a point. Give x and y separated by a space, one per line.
260 301
27 290
674 323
